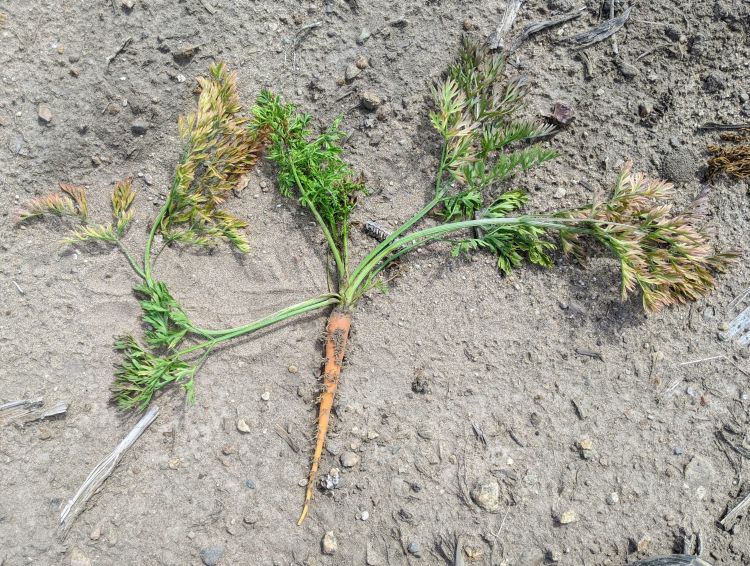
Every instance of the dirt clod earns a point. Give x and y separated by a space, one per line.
486 494
329 544
679 166
349 459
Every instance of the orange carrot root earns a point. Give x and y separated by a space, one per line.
337 336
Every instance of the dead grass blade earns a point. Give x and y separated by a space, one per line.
102 471
599 33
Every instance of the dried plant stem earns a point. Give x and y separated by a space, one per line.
103 469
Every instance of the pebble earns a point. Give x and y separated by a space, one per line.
486 494
128 5
642 543
265 396
242 426
292 369
415 549
349 459
249 484
78 558
44 433
96 534
352 72
331 481
364 35
329 544
139 126
568 517
678 451
613 498
554 554
45 113
586 447
362 62
371 100
212 556
363 515
627 70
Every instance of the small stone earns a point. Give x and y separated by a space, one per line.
228 449
362 62
44 433
139 126
352 72
96 534
212 556
641 544
74 58
364 35
415 549
242 426
329 544
613 498
265 396
560 192
128 5
568 517
627 70
78 558
45 113
678 451
331 481
349 459
364 515
249 484
293 369
486 494
298 19
174 463
468 25
554 555
370 100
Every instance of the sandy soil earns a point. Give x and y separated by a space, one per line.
496 353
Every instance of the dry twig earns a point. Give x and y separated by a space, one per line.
599 33
537 27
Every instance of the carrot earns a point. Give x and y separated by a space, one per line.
337 336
